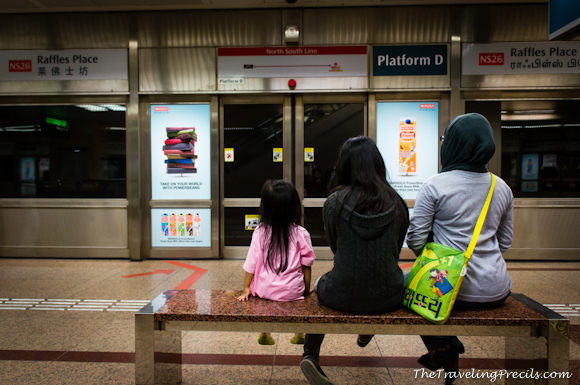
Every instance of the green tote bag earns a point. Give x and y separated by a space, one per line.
437 273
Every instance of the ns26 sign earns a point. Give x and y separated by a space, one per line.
491 59
20 66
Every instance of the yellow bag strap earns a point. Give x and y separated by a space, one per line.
480 221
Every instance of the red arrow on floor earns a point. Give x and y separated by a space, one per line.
197 273
155 271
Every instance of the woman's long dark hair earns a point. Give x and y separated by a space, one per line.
279 210
361 168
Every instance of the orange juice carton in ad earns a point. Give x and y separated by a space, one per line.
197 225
189 224
181 225
172 225
407 146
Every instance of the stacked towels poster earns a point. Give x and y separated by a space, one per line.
180 151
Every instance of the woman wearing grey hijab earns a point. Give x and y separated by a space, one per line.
445 212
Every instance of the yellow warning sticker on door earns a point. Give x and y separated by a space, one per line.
228 154
277 155
309 154
252 221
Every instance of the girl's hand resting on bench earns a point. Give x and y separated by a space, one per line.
245 294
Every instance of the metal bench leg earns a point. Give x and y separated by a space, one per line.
521 355
144 349
558 349
168 357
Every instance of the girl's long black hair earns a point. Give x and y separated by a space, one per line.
279 210
361 168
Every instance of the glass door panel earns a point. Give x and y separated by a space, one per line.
312 128
252 131
326 127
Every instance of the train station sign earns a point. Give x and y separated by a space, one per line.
295 61
521 58
83 64
408 60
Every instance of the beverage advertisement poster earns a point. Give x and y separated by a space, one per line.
530 166
530 186
407 138
180 227
180 151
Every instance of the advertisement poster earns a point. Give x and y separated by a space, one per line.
529 186
181 227
180 151
530 166
550 160
28 169
407 137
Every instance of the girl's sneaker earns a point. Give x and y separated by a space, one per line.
266 340
298 339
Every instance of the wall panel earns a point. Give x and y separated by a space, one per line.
63 228
64 31
384 25
545 229
504 23
210 28
177 69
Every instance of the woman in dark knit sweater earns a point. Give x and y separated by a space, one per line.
366 221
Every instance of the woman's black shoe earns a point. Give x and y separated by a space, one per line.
363 340
452 369
436 358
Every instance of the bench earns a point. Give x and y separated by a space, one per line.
159 324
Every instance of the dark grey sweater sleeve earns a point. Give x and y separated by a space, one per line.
329 215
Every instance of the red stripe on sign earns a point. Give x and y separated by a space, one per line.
292 51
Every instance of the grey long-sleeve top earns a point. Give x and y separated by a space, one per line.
448 206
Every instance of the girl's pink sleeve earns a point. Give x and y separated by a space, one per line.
305 246
253 252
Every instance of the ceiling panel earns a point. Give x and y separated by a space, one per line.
66 3
27 6
8 4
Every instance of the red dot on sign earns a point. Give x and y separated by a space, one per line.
291 83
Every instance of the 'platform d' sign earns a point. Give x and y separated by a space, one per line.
410 60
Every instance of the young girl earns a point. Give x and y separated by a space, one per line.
278 265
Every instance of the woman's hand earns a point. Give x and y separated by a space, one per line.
245 294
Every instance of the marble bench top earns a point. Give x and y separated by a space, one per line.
223 306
